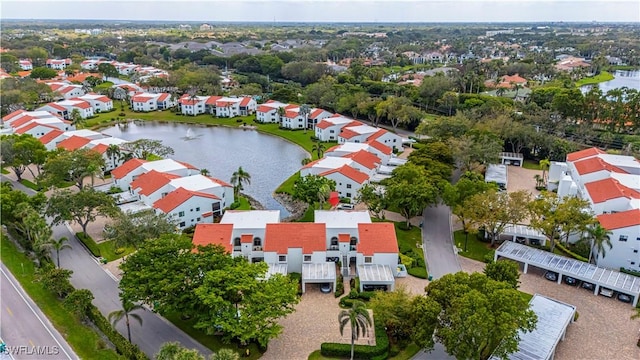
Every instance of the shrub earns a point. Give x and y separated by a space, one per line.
119 251
234 205
419 272
571 253
122 114
339 287
238 120
379 351
123 347
488 257
89 243
298 278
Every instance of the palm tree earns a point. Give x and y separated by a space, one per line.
323 194
599 238
538 179
113 152
127 311
58 245
305 110
544 165
500 91
76 118
517 87
358 318
305 161
239 178
281 113
318 148
205 172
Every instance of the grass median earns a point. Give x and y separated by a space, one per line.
84 341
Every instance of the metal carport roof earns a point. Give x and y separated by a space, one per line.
614 280
319 273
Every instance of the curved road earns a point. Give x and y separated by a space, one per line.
88 274
26 331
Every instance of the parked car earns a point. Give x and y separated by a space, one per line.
345 207
588 286
374 287
570 281
624 298
325 288
551 276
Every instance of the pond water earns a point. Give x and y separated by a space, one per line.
269 160
630 79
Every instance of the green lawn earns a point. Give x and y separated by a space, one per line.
108 250
287 186
244 203
531 165
476 249
85 342
602 77
30 184
214 343
5 171
405 354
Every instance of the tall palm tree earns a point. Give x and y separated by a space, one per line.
113 152
205 172
238 179
305 110
500 91
281 113
359 319
544 166
599 237
318 148
127 311
58 245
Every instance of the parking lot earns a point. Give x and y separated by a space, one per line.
603 330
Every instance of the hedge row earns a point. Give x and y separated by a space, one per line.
378 352
89 243
124 347
365 296
339 286
571 253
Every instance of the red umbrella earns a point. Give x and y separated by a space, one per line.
334 198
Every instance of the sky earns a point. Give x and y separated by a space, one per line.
402 11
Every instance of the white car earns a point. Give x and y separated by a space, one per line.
345 207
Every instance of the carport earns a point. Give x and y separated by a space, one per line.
553 319
276 269
376 274
509 158
522 231
564 266
319 273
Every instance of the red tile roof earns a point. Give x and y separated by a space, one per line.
56 106
221 182
365 158
354 123
291 106
620 220
344 238
315 113
246 239
349 172
377 134
380 147
178 197
594 164
13 114
21 121
347 133
607 189
324 124
150 182
584 154
73 143
221 103
141 98
311 164
163 97
82 104
332 149
26 128
308 236
245 101
66 89
187 165
377 238
213 234
100 148
212 100
265 109
291 114
51 135
124 169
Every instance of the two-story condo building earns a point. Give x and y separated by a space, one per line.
58 64
365 133
365 249
611 184
151 102
329 128
66 90
99 103
25 64
36 123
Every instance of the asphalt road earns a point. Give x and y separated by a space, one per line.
88 274
438 245
26 331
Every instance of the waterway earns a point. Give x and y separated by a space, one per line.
630 79
269 160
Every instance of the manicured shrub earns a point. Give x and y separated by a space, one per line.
339 287
419 272
123 347
379 351
89 243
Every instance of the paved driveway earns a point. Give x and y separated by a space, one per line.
603 330
438 245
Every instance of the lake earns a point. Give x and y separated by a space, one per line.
269 160
630 79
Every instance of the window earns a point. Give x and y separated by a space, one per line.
367 259
633 263
635 251
307 258
348 186
334 241
182 224
331 131
282 258
236 242
198 219
348 195
638 238
623 238
198 208
181 214
353 240
257 241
